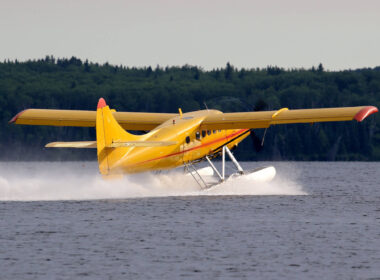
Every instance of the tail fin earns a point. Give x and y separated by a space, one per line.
108 131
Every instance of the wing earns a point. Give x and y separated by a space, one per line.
128 120
285 116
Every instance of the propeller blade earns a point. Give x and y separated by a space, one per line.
260 105
257 142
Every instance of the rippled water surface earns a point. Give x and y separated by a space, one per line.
314 221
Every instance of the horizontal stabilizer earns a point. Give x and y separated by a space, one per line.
142 144
76 144
92 144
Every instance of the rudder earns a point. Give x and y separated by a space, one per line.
108 131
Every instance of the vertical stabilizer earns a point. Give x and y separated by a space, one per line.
108 131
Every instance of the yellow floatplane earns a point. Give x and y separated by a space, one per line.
175 140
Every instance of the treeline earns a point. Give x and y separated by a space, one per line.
76 84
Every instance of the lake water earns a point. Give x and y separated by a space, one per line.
316 220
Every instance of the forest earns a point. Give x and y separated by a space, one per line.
70 83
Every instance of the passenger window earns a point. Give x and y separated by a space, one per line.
208 132
197 135
219 130
187 139
203 133
214 131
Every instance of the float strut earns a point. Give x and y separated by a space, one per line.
214 168
241 171
223 163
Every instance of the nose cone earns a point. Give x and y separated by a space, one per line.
101 103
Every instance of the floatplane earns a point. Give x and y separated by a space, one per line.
174 140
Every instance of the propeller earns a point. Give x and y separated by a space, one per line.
258 143
260 105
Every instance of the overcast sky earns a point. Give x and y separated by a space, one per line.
247 33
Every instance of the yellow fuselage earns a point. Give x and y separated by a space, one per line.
193 143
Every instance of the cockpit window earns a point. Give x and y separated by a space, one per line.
197 135
187 139
203 133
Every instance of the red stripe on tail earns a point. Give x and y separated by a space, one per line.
101 103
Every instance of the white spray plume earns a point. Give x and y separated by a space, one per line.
36 181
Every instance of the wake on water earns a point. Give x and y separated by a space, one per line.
34 181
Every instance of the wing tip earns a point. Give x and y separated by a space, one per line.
14 119
365 112
101 103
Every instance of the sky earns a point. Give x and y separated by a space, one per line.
247 33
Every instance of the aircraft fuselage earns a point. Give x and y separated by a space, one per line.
193 143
